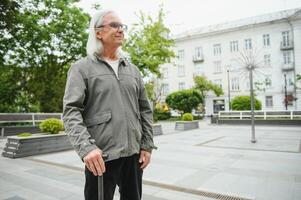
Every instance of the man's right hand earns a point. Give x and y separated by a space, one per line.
94 162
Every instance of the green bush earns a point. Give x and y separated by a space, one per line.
24 135
52 126
160 114
244 103
184 100
187 117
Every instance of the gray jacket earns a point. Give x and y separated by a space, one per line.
106 112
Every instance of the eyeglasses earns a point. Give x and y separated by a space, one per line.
116 25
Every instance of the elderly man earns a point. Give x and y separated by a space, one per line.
106 111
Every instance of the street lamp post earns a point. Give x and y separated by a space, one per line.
251 68
228 72
285 92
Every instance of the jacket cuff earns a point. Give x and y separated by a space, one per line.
148 147
86 149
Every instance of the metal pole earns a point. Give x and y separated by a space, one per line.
285 92
253 140
229 90
100 187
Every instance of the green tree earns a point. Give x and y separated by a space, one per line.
244 103
148 43
43 39
204 86
184 100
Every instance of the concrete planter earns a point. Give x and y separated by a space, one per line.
17 147
186 125
157 129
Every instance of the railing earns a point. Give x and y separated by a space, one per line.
32 118
287 45
198 58
260 114
288 66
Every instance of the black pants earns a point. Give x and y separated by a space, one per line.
124 172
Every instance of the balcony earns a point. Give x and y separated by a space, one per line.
198 58
288 45
287 67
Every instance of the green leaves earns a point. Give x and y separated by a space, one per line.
41 39
204 86
149 44
244 103
184 100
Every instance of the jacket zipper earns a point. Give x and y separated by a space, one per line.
118 80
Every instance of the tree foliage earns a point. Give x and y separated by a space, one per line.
244 103
148 43
204 86
40 39
184 100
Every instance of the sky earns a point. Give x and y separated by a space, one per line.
183 15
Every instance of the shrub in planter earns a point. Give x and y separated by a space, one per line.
187 117
52 126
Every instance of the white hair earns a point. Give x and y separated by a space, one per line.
94 45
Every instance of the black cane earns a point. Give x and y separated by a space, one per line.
100 182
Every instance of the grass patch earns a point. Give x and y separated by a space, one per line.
24 135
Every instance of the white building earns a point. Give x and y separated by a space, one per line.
216 51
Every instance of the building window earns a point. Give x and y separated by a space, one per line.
234 46
247 84
287 57
218 82
248 43
181 70
269 101
285 38
165 89
164 72
266 40
235 83
181 54
268 81
289 80
198 69
234 65
217 67
267 60
182 86
198 52
217 49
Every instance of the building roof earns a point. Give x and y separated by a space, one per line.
239 23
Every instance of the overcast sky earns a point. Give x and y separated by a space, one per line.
183 15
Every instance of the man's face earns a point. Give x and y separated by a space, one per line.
111 33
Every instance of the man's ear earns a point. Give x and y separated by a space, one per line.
98 35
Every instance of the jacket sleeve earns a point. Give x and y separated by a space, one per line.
146 115
73 106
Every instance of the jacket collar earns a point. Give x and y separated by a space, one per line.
122 60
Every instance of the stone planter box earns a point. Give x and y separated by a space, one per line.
17 147
186 125
157 129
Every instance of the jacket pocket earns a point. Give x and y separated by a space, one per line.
104 117
100 129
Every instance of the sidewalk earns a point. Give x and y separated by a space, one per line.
188 165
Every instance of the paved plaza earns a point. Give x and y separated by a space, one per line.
202 164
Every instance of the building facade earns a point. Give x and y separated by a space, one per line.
223 53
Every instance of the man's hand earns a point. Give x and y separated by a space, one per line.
94 162
145 158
